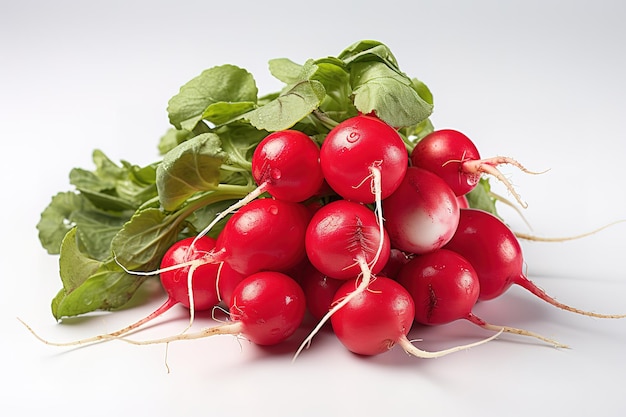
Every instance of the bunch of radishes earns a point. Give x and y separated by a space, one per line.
360 233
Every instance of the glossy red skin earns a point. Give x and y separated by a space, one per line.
319 290
352 147
492 249
462 200
269 305
443 153
339 232
289 162
443 285
373 321
422 214
175 282
265 234
397 259
227 281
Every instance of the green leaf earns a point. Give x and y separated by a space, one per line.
172 138
480 197
221 113
288 71
392 97
226 83
107 289
192 166
74 266
144 239
56 219
336 81
95 230
89 285
422 90
239 139
368 50
112 187
288 108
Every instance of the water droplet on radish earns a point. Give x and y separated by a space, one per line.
275 174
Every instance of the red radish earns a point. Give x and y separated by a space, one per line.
357 149
397 259
344 240
444 287
285 164
266 234
341 236
462 200
496 255
174 282
376 320
319 290
422 214
267 308
227 280
203 295
454 157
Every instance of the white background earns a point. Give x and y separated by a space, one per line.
541 81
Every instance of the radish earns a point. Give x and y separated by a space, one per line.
267 308
496 255
265 234
454 157
285 164
422 214
462 200
342 237
343 241
397 259
319 290
444 287
362 148
227 280
376 320
203 295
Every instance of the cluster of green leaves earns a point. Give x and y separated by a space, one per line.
129 215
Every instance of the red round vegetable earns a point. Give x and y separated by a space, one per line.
267 308
453 156
422 214
496 255
376 320
340 234
354 149
285 164
445 287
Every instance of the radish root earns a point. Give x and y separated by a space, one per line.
363 284
412 350
487 326
535 238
